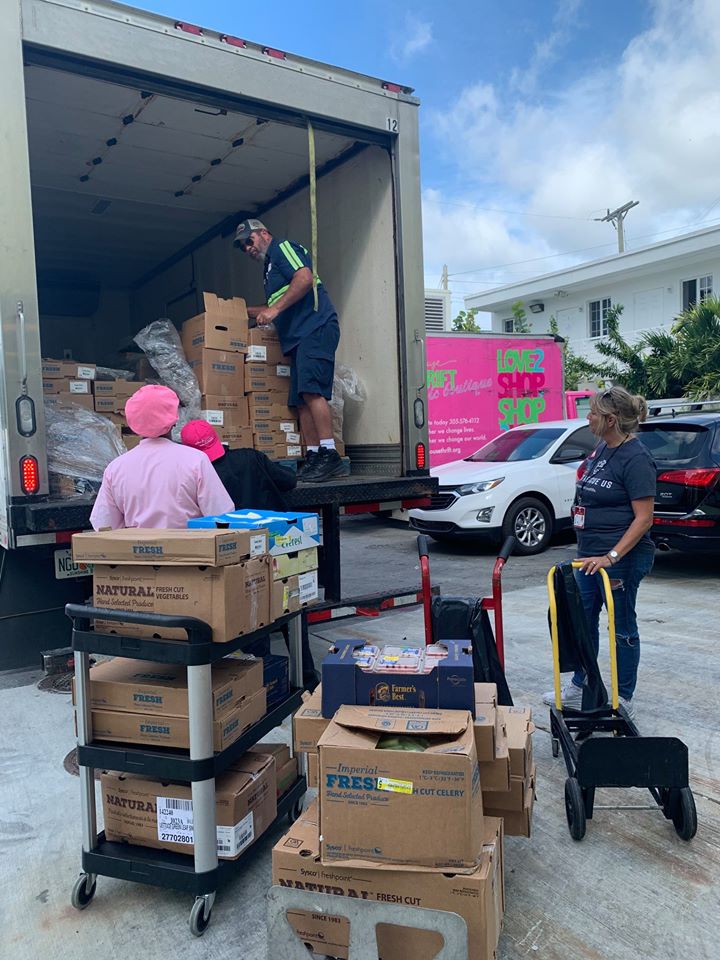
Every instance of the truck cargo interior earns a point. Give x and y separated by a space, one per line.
135 197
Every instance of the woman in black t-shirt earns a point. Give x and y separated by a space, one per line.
612 517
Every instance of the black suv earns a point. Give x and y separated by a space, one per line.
686 450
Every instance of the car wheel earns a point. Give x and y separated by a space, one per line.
530 522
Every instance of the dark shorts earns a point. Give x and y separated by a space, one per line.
313 364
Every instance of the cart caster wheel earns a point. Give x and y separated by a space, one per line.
199 920
82 894
684 814
575 808
555 747
296 810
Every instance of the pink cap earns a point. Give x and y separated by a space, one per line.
199 434
152 411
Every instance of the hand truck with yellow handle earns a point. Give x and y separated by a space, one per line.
625 759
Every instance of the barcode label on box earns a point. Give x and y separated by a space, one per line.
257 546
79 386
287 426
394 786
256 352
214 417
86 373
231 841
308 585
174 820
282 370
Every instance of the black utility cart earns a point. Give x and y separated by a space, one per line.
602 746
202 873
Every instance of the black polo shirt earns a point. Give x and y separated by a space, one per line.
283 259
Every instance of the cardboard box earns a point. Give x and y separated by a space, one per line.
264 346
219 372
159 815
270 426
222 326
233 413
308 723
277 371
280 751
168 731
233 600
448 686
292 452
520 728
293 593
495 774
313 773
478 896
213 548
292 564
111 404
53 387
486 693
131 440
67 370
65 399
120 420
287 532
139 686
236 437
397 806
270 406
287 774
117 388
286 766
278 386
518 823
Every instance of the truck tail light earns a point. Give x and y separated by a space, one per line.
276 54
29 475
189 28
691 478
232 41
420 456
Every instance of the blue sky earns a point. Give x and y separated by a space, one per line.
536 116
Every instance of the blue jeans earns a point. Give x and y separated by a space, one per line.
625 577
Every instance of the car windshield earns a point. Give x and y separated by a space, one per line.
674 443
517 445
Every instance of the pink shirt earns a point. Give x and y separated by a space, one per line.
158 485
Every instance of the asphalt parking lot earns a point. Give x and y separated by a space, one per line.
631 889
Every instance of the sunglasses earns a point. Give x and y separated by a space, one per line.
245 244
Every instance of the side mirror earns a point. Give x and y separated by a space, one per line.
570 455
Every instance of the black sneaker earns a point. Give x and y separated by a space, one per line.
327 465
309 461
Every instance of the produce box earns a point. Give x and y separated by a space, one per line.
287 532
478 896
398 805
448 686
167 731
139 686
215 548
67 370
219 372
222 326
160 815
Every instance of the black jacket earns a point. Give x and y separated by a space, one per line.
253 481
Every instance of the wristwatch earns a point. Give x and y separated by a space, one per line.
614 556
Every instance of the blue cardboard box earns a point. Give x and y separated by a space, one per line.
287 532
448 686
276 678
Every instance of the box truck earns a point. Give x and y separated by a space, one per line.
131 147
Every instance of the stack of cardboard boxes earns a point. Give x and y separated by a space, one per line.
67 381
244 379
215 344
396 825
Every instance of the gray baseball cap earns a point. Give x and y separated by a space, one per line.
245 229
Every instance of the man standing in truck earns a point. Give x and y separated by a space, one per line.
309 335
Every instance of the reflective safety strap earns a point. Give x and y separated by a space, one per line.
313 209
274 297
292 257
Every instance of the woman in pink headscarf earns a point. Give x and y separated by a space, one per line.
159 484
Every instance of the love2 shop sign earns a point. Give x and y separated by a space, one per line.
479 385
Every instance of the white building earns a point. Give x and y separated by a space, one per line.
654 284
438 311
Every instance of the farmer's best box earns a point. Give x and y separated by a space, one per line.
381 802
153 814
215 548
478 896
233 600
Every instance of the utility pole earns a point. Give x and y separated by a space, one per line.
617 218
444 278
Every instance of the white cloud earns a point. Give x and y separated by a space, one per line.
417 35
642 128
548 49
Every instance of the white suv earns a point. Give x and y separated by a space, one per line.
521 484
